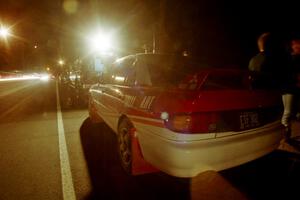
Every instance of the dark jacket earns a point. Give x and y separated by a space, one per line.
272 70
296 71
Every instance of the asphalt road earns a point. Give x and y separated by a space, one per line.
40 159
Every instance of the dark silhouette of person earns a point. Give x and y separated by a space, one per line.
271 69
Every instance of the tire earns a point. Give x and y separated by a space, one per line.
124 145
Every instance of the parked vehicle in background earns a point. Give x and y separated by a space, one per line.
174 115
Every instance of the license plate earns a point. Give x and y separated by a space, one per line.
249 120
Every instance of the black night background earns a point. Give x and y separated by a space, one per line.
222 33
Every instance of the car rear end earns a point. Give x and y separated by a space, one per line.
212 120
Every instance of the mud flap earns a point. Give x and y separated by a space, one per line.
139 165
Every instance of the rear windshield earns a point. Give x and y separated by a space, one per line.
185 73
167 70
225 80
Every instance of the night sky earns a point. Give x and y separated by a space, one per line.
222 32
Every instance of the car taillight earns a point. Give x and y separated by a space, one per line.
193 123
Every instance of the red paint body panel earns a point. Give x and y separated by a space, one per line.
139 165
207 101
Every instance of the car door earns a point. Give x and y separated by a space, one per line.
143 91
113 94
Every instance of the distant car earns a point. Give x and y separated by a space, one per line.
183 118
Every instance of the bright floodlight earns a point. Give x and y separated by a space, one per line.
101 42
4 32
61 62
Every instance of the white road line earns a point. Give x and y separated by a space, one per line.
66 175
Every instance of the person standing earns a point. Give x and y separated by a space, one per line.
271 69
257 63
295 53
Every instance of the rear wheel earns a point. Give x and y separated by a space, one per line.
124 145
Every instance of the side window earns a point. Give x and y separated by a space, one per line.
107 77
123 72
142 73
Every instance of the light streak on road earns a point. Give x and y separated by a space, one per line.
19 79
26 77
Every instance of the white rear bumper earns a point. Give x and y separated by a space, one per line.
187 158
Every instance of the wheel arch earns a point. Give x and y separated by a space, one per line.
121 118
139 165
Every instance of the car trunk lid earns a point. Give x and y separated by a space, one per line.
219 105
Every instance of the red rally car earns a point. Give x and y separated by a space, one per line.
176 116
